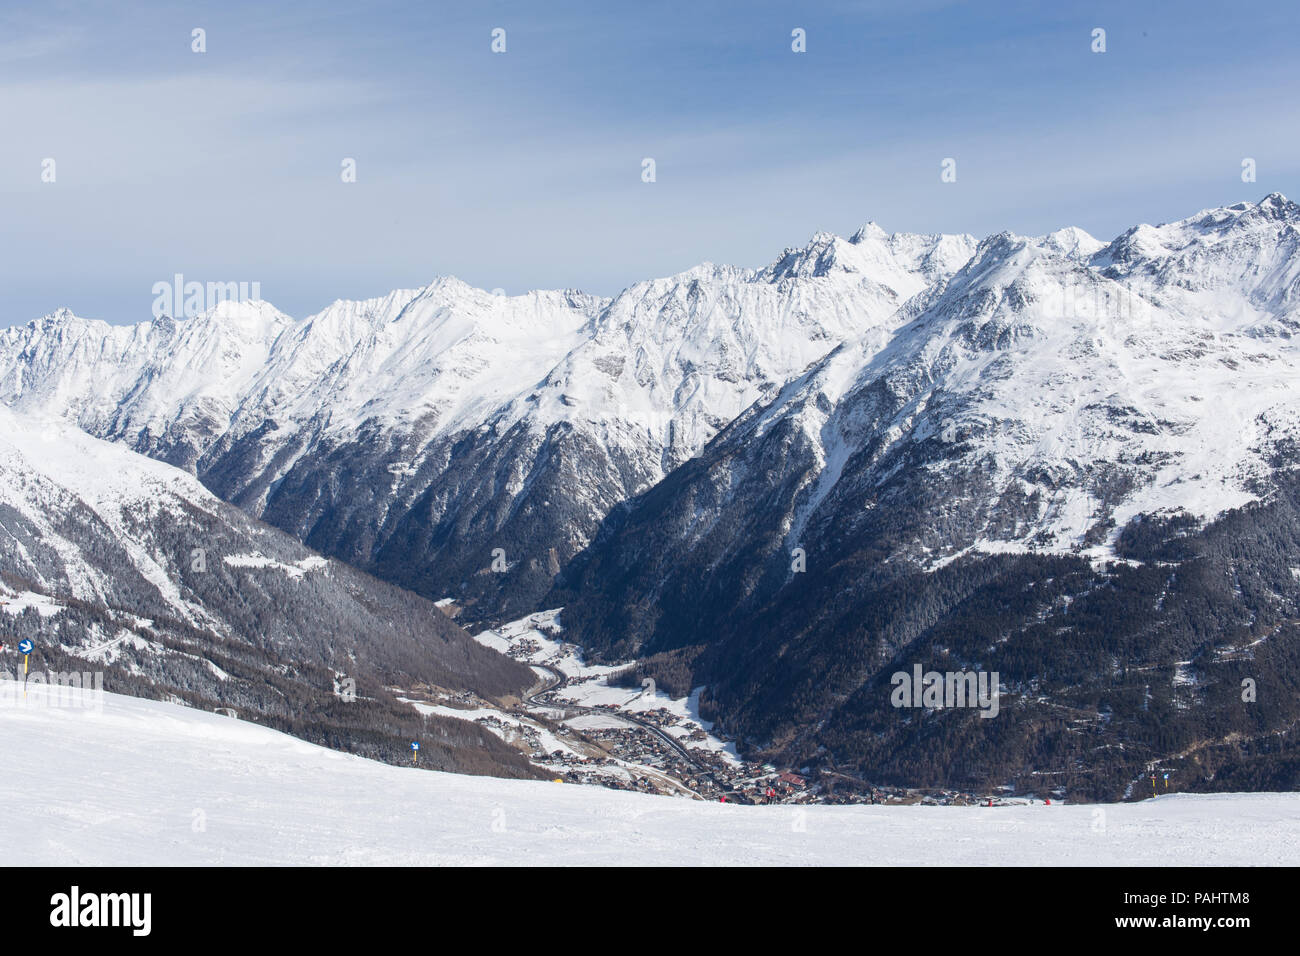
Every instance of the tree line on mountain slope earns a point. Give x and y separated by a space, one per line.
1088 657
297 697
286 639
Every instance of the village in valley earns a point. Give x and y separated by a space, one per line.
584 729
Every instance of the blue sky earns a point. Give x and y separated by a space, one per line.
523 170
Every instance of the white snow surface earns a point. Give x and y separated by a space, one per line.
296 570
17 602
147 783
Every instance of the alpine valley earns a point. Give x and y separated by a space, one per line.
1069 462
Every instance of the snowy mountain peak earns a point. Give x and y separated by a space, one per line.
871 230
901 263
251 320
1072 241
1250 250
1223 221
1274 207
375 311
60 319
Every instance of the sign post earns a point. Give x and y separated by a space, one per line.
415 751
25 647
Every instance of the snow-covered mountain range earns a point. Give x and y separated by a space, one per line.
415 433
1072 463
1068 460
1050 392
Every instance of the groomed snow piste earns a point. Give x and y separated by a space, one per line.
137 782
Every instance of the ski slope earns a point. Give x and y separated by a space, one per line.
137 782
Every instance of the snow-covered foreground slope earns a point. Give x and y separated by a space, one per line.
141 782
